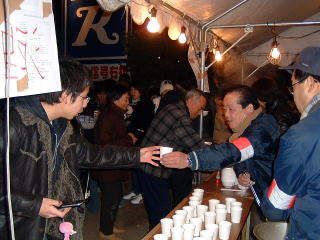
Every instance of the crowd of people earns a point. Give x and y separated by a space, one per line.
256 131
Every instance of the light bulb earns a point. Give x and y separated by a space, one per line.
275 53
218 56
182 38
153 25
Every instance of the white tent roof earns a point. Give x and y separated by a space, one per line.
226 20
250 12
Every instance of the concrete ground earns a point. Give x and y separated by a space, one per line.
131 217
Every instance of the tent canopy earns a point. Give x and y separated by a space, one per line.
296 24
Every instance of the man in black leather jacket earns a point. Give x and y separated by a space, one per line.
45 157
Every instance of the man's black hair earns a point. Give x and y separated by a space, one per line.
300 76
247 96
74 76
115 93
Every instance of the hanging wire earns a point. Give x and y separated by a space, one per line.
299 37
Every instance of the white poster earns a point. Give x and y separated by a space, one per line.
32 49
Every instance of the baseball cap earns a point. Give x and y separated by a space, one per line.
308 61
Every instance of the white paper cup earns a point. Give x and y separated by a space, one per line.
209 217
212 204
199 238
198 190
224 230
190 211
206 234
236 214
228 203
214 228
198 223
160 236
201 209
199 195
177 233
221 205
166 225
188 231
221 215
182 213
195 198
165 150
194 204
178 220
236 204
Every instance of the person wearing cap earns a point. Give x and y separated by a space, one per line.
294 194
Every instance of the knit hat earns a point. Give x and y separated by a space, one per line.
165 85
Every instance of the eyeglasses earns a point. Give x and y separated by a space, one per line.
290 88
87 99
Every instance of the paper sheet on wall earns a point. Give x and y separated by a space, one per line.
33 57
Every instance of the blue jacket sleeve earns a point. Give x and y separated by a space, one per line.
270 212
255 141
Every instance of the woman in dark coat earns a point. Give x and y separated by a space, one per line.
111 129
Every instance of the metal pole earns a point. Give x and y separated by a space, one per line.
222 14
178 12
235 43
284 24
264 63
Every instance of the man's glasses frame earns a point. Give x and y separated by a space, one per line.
87 99
290 88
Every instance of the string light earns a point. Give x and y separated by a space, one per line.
153 25
216 51
217 55
183 37
274 55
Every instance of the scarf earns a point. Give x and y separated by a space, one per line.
246 123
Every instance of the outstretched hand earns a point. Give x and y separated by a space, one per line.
175 160
147 154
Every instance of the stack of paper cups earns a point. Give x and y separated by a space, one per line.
224 230
188 231
166 225
236 214
177 233
160 236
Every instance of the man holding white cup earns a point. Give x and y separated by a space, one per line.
172 127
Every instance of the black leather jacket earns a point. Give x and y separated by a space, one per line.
32 163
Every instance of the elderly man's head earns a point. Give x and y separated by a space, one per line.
239 103
305 80
196 102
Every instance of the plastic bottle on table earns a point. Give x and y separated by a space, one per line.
218 177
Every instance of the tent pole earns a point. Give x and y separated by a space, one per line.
222 14
284 24
264 63
203 48
235 43
178 12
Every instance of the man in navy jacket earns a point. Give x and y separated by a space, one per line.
295 191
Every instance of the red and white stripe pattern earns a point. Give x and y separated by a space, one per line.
278 198
245 148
